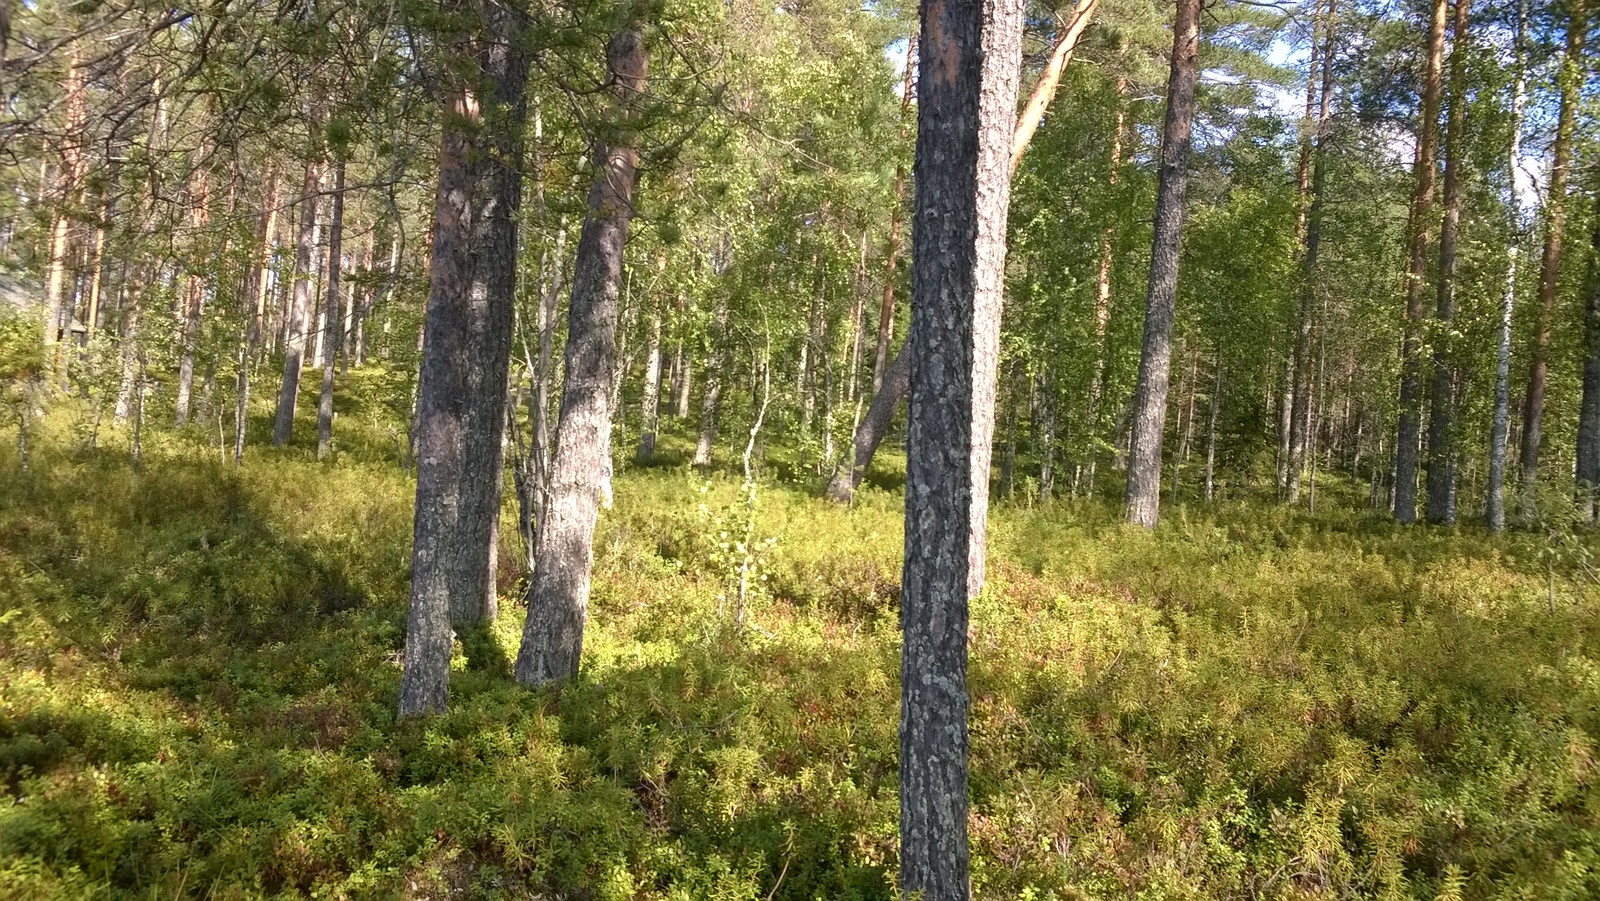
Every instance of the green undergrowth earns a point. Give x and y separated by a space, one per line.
199 666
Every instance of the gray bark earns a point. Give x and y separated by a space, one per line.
330 313
295 321
651 402
558 598
1495 506
461 392
874 426
1441 506
1143 497
966 115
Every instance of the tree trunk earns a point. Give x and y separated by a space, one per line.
891 258
1309 231
1495 506
1405 475
1571 81
466 353
1441 508
1047 434
711 394
1044 91
1143 498
68 185
1588 471
295 321
330 312
194 288
966 119
651 402
558 598
1211 429
873 428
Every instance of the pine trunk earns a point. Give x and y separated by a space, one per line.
1441 508
1143 497
966 118
558 598
300 303
466 354
330 313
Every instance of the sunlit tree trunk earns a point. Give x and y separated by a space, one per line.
1441 507
1143 497
966 115
1495 505
1308 228
1420 229
558 597
1571 80
466 352
299 306
330 312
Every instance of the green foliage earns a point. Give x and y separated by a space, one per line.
199 666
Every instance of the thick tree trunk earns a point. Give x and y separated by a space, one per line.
295 320
1406 442
966 118
1441 507
558 598
1143 497
1495 505
466 353
330 313
1571 81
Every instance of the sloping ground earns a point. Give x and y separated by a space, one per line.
198 670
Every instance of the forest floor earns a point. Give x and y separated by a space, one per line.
199 667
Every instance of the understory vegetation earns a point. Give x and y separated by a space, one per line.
199 665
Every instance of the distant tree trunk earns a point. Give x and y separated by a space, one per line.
1406 444
874 426
651 402
1102 289
1143 498
1588 471
558 597
1571 80
1211 429
966 118
886 306
68 186
466 353
1047 434
1309 231
330 312
1044 91
295 321
711 394
1495 506
194 289
1441 508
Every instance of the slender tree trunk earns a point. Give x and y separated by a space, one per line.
1044 91
711 394
651 402
1211 429
892 257
1588 470
68 185
1571 82
1047 434
966 118
1406 444
1143 499
466 354
330 312
295 320
1495 505
1441 508
558 598
872 429
194 287
1308 230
